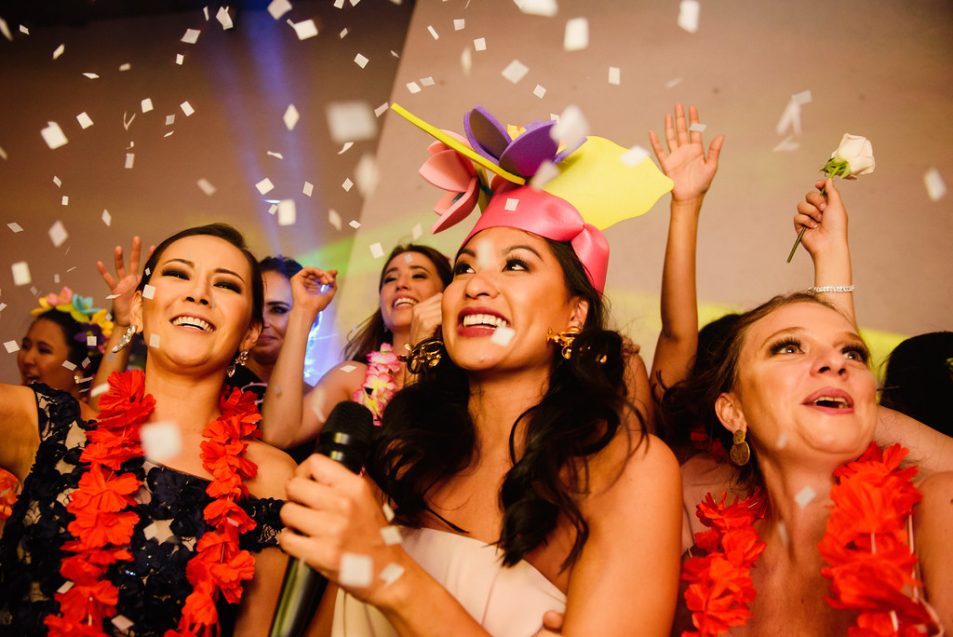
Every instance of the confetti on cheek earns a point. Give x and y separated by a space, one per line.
805 496
125 66
85 121
21 273
3 153
391 573
58 234
466 61
11 347
388 512
351 121
308 189
206 186
782 440
191 36
90 342
502 336
305 29
688 12
697 128
338 4
672 83
59 51
576 37
355 570
515 71
361 60
170 120
459 24
24 30
69 365
160 440
148 291
936 187
277 8
154 341
106 217
265 186
615 75
334 219
634 156
15 227
479 44
391 535
187 108
539 91
377 251
53 135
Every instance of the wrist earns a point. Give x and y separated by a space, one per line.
687 206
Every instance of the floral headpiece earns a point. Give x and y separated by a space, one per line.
94 322
595 184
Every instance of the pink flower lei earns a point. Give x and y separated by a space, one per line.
379 385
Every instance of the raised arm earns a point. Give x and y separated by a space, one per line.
121 286
824 215
19 429
692 170
285 410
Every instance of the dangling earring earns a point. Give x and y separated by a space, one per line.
425 354
241 359
564 340
125 339
740 452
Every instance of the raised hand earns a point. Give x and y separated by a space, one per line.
124 283
823 213
685 161
426 317
312 289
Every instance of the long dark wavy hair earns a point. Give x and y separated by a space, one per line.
369 335
428 433
79 352
692 402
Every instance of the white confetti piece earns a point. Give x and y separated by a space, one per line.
634 156
788 144
790 119
571 129
71 366
59 51
346 147
380 110
308 189
502 336
106 217
936 187
187 108
459 24
343 33
466 61
361 60
206 186
99 390
355 570
287 212
546 172
417 231
205 12
110 297
179 59
688 11
90 342
391 573
224 18
576 37
91 76
21 273
672 83
15 227
160 440
64 200
154 341
57 181
697 128
354 223
85 121
388 512
127 123
3 153
427 81
191 36
305 29
2 306
146 105
272 153
511 204
277 8
802 98
782 440
391 535
125 66
805 496
347 369
366 175
273 208
515 71
615 75
347 184
65 587
413 87
545 8
148 291
130 160
290 117
58 234
377 251
479 44
782 532
351 121
265 186
338 4
122 622
170 119
5 30
433 32
53 135
334 219
11 347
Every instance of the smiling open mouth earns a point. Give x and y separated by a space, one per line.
404 300
193 322
484 320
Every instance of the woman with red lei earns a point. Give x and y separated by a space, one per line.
158 516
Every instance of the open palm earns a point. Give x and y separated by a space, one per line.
685 161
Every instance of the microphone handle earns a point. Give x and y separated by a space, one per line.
301 590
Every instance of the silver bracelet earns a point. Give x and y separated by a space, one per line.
830 288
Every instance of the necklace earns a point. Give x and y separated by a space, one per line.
103 519
379 386
867 550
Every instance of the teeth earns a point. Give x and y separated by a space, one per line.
405 301
831 401
192 321
484 319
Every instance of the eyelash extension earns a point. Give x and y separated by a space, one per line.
788 341
860 349
176 272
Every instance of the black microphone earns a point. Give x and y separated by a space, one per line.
346 438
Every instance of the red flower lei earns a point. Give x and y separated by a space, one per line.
866 547
103 524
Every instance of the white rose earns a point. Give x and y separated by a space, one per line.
857 152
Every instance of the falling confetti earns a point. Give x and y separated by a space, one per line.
277 8
160 440
305 29
58 234
287 212
21 273
290 117
351 121
265 186
191 36
688 11
53 135
576 37
515 71
85 121
479 44
545 8
936 187
615 75
361 60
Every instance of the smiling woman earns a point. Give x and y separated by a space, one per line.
131 516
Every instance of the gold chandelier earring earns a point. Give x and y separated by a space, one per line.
740 452
563 340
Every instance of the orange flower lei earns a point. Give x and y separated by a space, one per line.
103 525
866 545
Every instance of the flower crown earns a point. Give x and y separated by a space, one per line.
594 183
94 323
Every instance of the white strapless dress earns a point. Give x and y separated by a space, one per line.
508 602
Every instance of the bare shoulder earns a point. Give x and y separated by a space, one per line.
275 468
346 377
634 463
937 492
